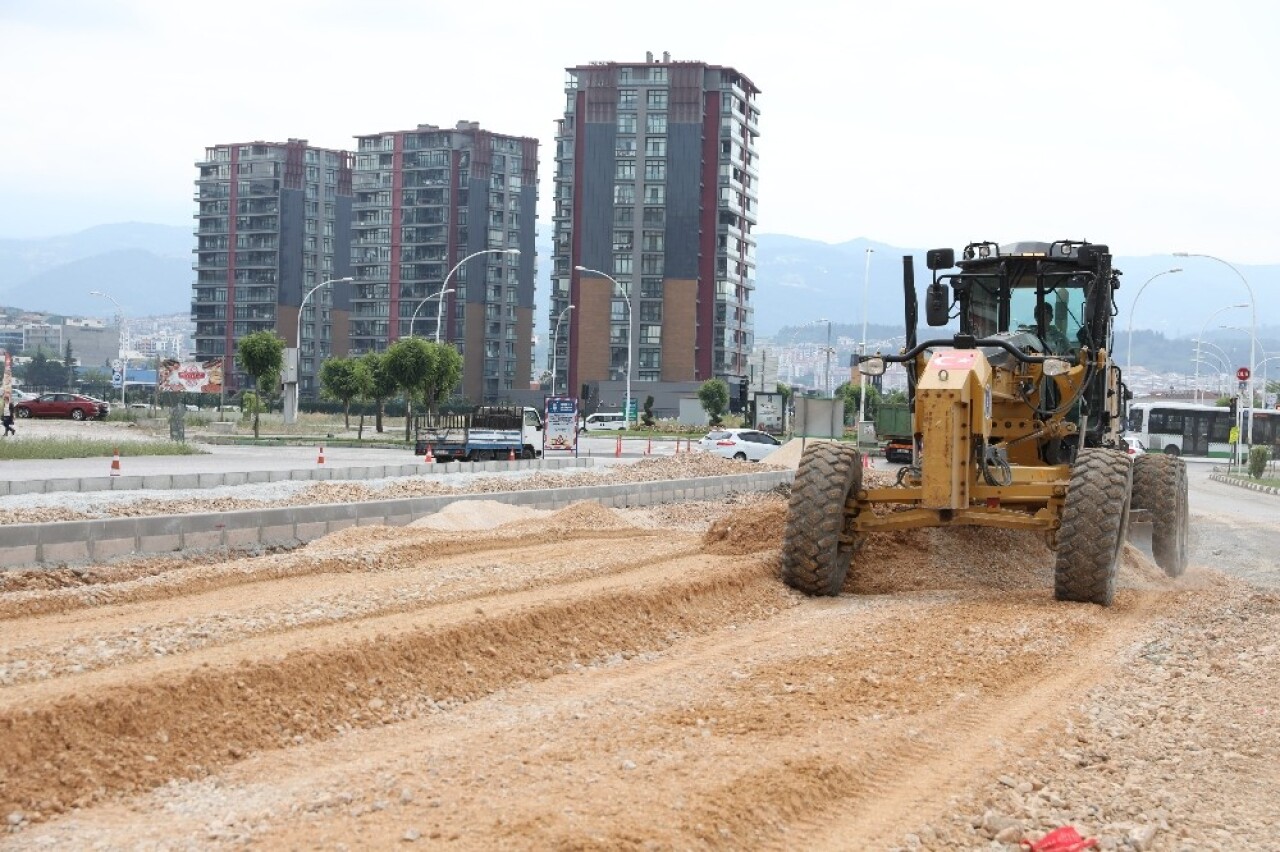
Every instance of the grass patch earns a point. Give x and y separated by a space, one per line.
73 448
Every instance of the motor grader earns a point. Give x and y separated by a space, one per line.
1017 423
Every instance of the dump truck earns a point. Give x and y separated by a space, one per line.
490 432
1017 420
894 431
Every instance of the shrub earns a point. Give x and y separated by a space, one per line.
1258 461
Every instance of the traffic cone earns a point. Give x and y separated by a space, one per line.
428 457
511 454
866 460
115 462
617 451
320 458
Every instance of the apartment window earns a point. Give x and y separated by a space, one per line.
623 240
651 334
656 99
655 122
658 75
651 312
655 169
654 216
625 170
655 194
651 264
627 98
626 122
651 288
624 215
622 264
652 241
655 146
624 146
624 193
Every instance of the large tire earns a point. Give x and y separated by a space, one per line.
1094 522
1160 486
813 559
77 414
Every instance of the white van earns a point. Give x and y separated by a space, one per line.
600 420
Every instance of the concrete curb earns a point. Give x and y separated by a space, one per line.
75 542
1252 486
166 481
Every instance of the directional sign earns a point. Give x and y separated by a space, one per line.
1243 374
117 378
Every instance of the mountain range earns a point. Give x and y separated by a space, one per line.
147 269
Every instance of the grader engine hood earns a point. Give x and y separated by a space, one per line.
953 412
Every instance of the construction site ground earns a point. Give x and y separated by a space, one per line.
496 677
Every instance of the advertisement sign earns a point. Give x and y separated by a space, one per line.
560 425
191 376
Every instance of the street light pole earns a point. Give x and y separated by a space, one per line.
1262 364
626 414
414 318
124 358
1128 358
445 286
292 389
555 347
862 377
1253 327
1200 339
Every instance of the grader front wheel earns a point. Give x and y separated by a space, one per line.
1160 486
813 559
1094 521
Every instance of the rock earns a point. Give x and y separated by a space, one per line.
411 836
1011 834
1142 837
16 818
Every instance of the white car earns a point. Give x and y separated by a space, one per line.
741 444
1134 446
604 420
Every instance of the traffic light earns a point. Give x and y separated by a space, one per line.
1234 405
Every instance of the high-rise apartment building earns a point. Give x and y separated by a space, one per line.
655 186
273 222
439 209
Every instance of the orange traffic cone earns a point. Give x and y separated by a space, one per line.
511 454
429 457
866 460
617 452
115 462
320 459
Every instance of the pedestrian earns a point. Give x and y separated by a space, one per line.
7 418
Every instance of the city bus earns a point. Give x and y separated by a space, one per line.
1198 431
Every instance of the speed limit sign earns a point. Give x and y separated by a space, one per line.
1243 374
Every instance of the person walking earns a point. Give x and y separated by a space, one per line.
7 418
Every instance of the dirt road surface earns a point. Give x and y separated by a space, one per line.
604 679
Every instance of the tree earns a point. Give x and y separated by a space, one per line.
340 380
851 392
409 364
382 385
714 396
445 372
261 354
44 373
67 361
647 417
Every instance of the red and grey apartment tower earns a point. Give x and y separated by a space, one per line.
443 248
272 222
655 186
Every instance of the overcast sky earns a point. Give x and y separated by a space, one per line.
1151 126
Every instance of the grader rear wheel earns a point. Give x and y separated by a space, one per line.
1160 486
813 559
1094 522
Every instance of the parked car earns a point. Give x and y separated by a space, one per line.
1134 446
741 444
73 405
21 396
601 420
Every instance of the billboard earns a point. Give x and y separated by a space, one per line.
191 376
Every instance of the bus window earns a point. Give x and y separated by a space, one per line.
1135 420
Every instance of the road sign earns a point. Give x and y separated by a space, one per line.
117 378
1243 374
117 364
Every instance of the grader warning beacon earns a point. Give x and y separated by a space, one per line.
1017 423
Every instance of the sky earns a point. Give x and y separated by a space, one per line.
1150 126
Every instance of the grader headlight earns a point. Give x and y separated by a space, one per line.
872 366
1056 367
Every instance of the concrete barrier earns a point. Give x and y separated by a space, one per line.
78 542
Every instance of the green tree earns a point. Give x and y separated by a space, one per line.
409 363
647 417
340 380
261 354
68 361
714 396
446 373
851 393
382 385
44 373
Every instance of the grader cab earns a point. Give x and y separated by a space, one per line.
1017 423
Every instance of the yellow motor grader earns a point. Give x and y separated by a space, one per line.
1017 423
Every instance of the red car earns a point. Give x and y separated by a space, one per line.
72 405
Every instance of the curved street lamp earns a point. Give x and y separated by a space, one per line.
1253 326
1258 364
124 358
439 295
444 288
1128 358
292 389
1201 339
555 347
626 414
